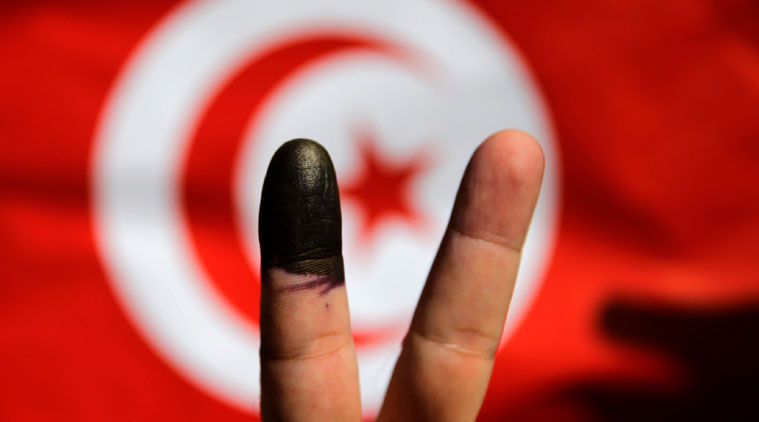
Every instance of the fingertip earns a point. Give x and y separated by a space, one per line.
514 154
299 217
299 156
500 187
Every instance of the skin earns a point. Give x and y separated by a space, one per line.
308 361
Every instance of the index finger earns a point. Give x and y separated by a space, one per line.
308 363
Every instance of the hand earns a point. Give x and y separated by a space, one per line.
308 362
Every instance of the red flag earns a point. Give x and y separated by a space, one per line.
132 141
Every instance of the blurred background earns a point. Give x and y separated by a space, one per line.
134 136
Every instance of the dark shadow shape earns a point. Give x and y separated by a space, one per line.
717 348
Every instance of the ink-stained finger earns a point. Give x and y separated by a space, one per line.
443 371
308 363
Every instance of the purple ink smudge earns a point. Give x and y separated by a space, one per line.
325 282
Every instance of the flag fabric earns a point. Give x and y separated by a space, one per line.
645 286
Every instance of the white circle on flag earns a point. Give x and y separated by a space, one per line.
472 84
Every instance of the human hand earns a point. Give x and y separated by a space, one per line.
308 362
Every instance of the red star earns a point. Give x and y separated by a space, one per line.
382 189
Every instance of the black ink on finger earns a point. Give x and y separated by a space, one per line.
299 224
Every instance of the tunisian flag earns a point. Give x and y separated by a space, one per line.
133 136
